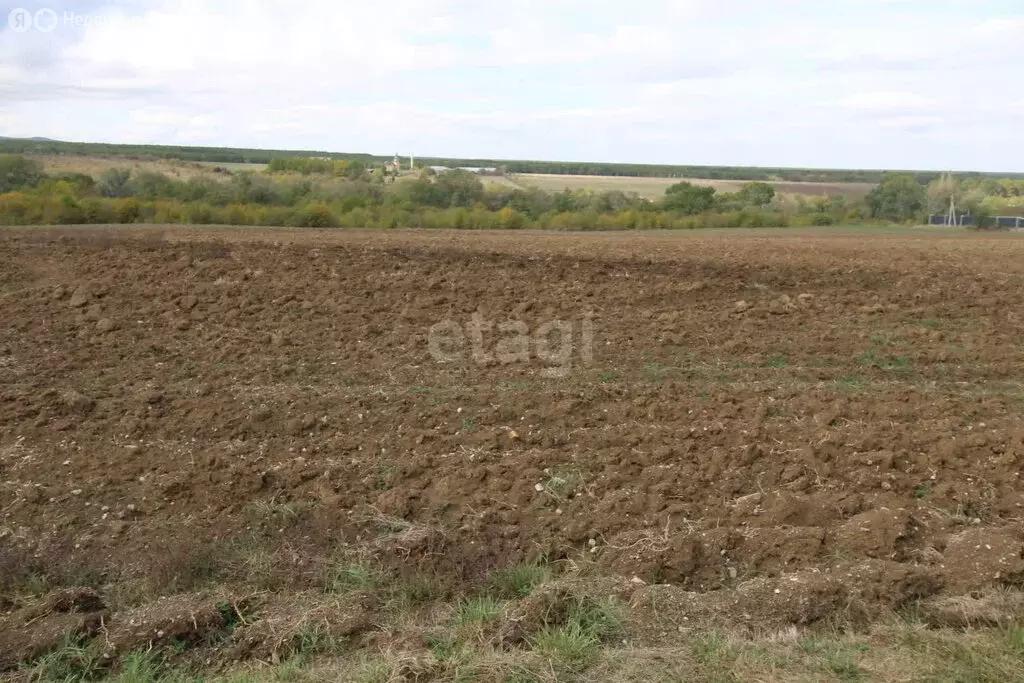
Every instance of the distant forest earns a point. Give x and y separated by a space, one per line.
265 156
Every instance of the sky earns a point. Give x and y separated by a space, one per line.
909 84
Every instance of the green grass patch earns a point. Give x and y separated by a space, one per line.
967 657
481 609
73 661
409 593
570 645
519 580
715 656
835 657
574 645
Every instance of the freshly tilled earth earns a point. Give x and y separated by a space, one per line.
760 431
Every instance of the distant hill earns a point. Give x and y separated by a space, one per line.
35 139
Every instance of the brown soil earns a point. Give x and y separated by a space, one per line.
774 430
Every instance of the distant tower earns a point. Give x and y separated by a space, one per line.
412 165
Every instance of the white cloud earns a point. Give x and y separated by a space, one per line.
1002 26
879 101
792 82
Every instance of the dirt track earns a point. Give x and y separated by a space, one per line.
781 427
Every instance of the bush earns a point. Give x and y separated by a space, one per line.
97 211
276 216
757 194
356 218
898 197
63 211
168 212
315 215
78 184
510 219
813 219
127 210
199 213
151 185
15 209
17 172
239 214
115 182
688 198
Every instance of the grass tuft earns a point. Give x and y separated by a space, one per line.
72 661
478 610
519 581
575 644
571 645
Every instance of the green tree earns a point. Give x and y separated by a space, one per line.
115 182
81 183
356 170
898 197
688 198
17 172
757 194
565 201
459 188
939 192
151 185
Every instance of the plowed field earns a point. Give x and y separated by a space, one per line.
216 442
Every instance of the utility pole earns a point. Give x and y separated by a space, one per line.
951 218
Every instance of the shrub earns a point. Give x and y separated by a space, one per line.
95 210
115 182
510 219
276 215
15 209
127 210
315 215
166 211
688 198
239 214
151 185
17 172
63 211
199 213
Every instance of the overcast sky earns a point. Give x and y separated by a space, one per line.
823 83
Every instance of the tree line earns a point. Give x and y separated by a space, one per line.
267 156
314 192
